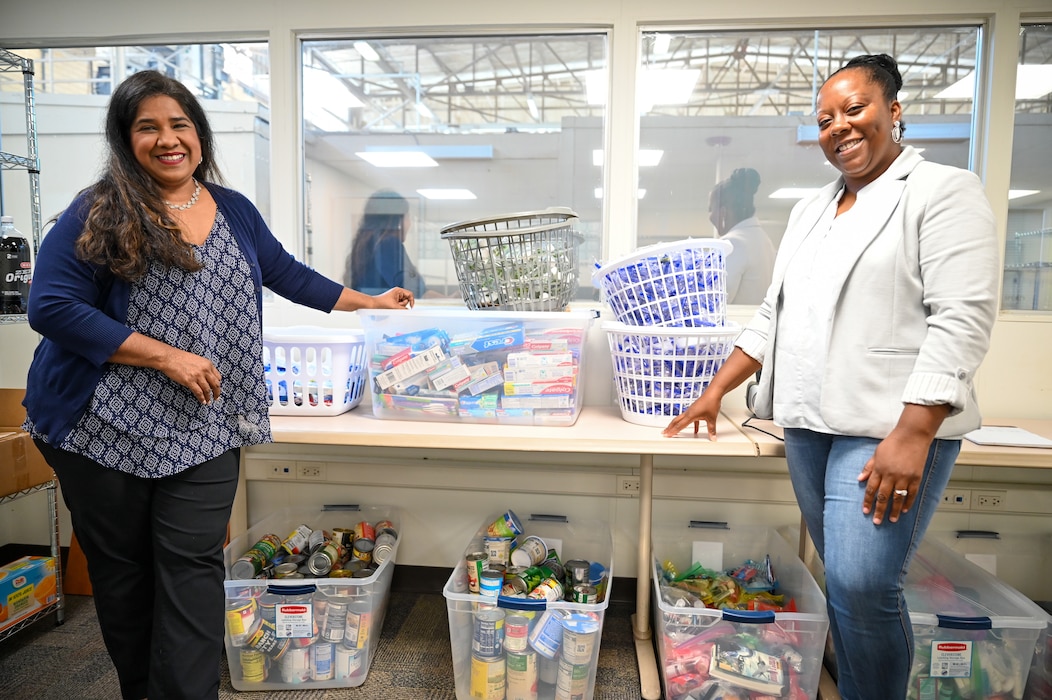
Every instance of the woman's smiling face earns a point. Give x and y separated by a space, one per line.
854 126
164 141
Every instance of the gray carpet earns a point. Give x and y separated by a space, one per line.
413 659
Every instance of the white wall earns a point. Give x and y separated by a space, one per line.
1016 379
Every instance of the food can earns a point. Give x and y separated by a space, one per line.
359 617
597 576
296 666
363 550
521 675
298 540
268 607
321 661
547 634
572 681
327 557
589 595
242 616
335 621
498 549
516 633
251 563
364 531
488 678
265 639
507 525
530 552
343 535
385 527
253 666
533 576
475 562
548 672
549 589
576 572
363 573
490 582
284 569
383 547
487 637
580 636
514 588
348 662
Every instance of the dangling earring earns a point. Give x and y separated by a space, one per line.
896 132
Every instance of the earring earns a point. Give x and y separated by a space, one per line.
896 132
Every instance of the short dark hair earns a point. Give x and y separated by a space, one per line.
736 193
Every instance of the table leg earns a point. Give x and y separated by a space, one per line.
649 680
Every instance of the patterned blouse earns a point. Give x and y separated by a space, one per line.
141 422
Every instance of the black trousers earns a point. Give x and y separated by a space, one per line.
154 549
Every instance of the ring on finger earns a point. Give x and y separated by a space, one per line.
902 492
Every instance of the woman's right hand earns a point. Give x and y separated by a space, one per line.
196 373
705 408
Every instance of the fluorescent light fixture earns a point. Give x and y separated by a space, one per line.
398 159
424 111
366 51
1016 194
793 192
1032 82
645 157
596 86
666 86
326 100
447 152
662 42
531 104
640 193
448 193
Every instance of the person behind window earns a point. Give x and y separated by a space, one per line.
732 212
378 258
149 378
883 299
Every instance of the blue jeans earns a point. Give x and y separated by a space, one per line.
865 564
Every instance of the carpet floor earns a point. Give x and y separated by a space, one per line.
413 659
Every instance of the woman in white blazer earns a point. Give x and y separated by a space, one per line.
880 309
733 214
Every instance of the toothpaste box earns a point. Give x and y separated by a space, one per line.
503 337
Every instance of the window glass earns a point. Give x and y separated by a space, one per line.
1028 245
72 88
715 102
446 130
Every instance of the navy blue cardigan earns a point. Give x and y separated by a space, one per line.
81 310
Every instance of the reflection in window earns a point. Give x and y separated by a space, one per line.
1028 244
713 103
72 88
460 128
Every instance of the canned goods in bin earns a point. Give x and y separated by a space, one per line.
348 662
335 621
241 619
265 639
550 589
298 540
359 617
580 636
547 634
383 547
498 549
253 665
475 562
251 563
385 527
487 639
490 582
364 531
507 525
488 678
321 658
576 571
521 675
530 552
572 681
296 666
516 633
589 595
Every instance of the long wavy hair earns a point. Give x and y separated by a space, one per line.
128 225
384 216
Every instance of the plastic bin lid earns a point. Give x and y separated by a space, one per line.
312 334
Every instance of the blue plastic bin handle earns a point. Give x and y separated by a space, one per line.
291 590
749 617
954 622
509 603
548 518
709 524
341 506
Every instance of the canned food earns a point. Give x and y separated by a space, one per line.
327 557
363 573
487 638
490 582
530 552
253 666
488 678
547 634
268 607
335 621
550 589
385 527
580 636
475 562
251 563
284 569
576 572
241 619
343 535
516 633
348 662
265 639
514 587
521 675
383 547
533 576
507 525
498 549
364 531
572 681
588 595
321 661
296 666
363 550
359 617
297 541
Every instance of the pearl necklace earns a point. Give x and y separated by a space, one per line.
193 198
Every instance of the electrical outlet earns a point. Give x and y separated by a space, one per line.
311 471
628 485
988 500
957 499
281 471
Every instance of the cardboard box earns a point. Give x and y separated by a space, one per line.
21 464
26 585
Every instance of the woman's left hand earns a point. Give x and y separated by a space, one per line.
893 474
395 298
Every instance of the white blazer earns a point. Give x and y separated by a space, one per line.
914 310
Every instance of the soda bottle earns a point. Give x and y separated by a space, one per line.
16 268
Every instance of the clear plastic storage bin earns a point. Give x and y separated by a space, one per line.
975 637
509 367
514 647
313 371
306 633
691 640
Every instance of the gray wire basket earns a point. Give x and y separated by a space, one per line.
517 262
